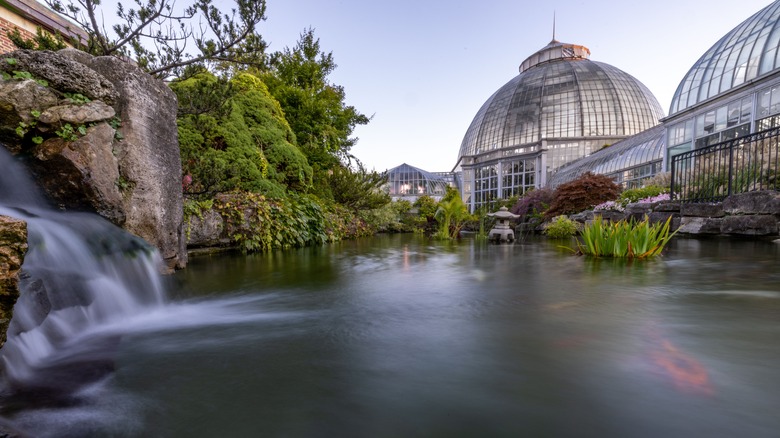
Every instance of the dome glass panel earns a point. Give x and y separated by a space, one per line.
747 52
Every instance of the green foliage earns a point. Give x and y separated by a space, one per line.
423 221
24 127
68 133
635 195
77 98
582 193
625 238
21 75
208 94
116 123
193 207
65 131
451 214
390 218
258 223
246 145
358 189
560 228
41 41
122 183
314 107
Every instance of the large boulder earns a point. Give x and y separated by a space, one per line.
18 99
206 230
61 73
82 174
148 155
133 176
13 246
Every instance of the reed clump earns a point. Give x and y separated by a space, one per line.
628 239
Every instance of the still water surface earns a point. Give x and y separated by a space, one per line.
398 336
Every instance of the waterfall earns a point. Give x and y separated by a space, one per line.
80 275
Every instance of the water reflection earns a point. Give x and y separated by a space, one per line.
528 340
398 336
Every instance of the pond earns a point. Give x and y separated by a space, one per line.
401 336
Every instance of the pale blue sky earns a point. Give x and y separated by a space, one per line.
423 68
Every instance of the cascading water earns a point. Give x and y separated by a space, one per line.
80 274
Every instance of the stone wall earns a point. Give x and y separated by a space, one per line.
753 214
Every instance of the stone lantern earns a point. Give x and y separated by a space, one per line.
502 231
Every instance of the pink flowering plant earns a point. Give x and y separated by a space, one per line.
648 195
657 198
610 206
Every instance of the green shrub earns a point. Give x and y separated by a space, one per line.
451 214
423 220
358 189
582 193
242 142
390 217
560 228
257 223
624 238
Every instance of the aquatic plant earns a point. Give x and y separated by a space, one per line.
624 238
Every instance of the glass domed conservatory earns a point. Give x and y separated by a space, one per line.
561 107
409 183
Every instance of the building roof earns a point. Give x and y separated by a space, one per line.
42 16
645 147
750 50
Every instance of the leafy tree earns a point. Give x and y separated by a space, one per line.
358 189
159 37
314 107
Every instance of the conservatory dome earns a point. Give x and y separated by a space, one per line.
560 93
561 107
750 50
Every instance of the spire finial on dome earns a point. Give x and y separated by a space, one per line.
553 40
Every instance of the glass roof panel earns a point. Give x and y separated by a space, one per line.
749 50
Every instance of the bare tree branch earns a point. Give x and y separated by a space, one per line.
156 34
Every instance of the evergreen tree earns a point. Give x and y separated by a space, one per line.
315 108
